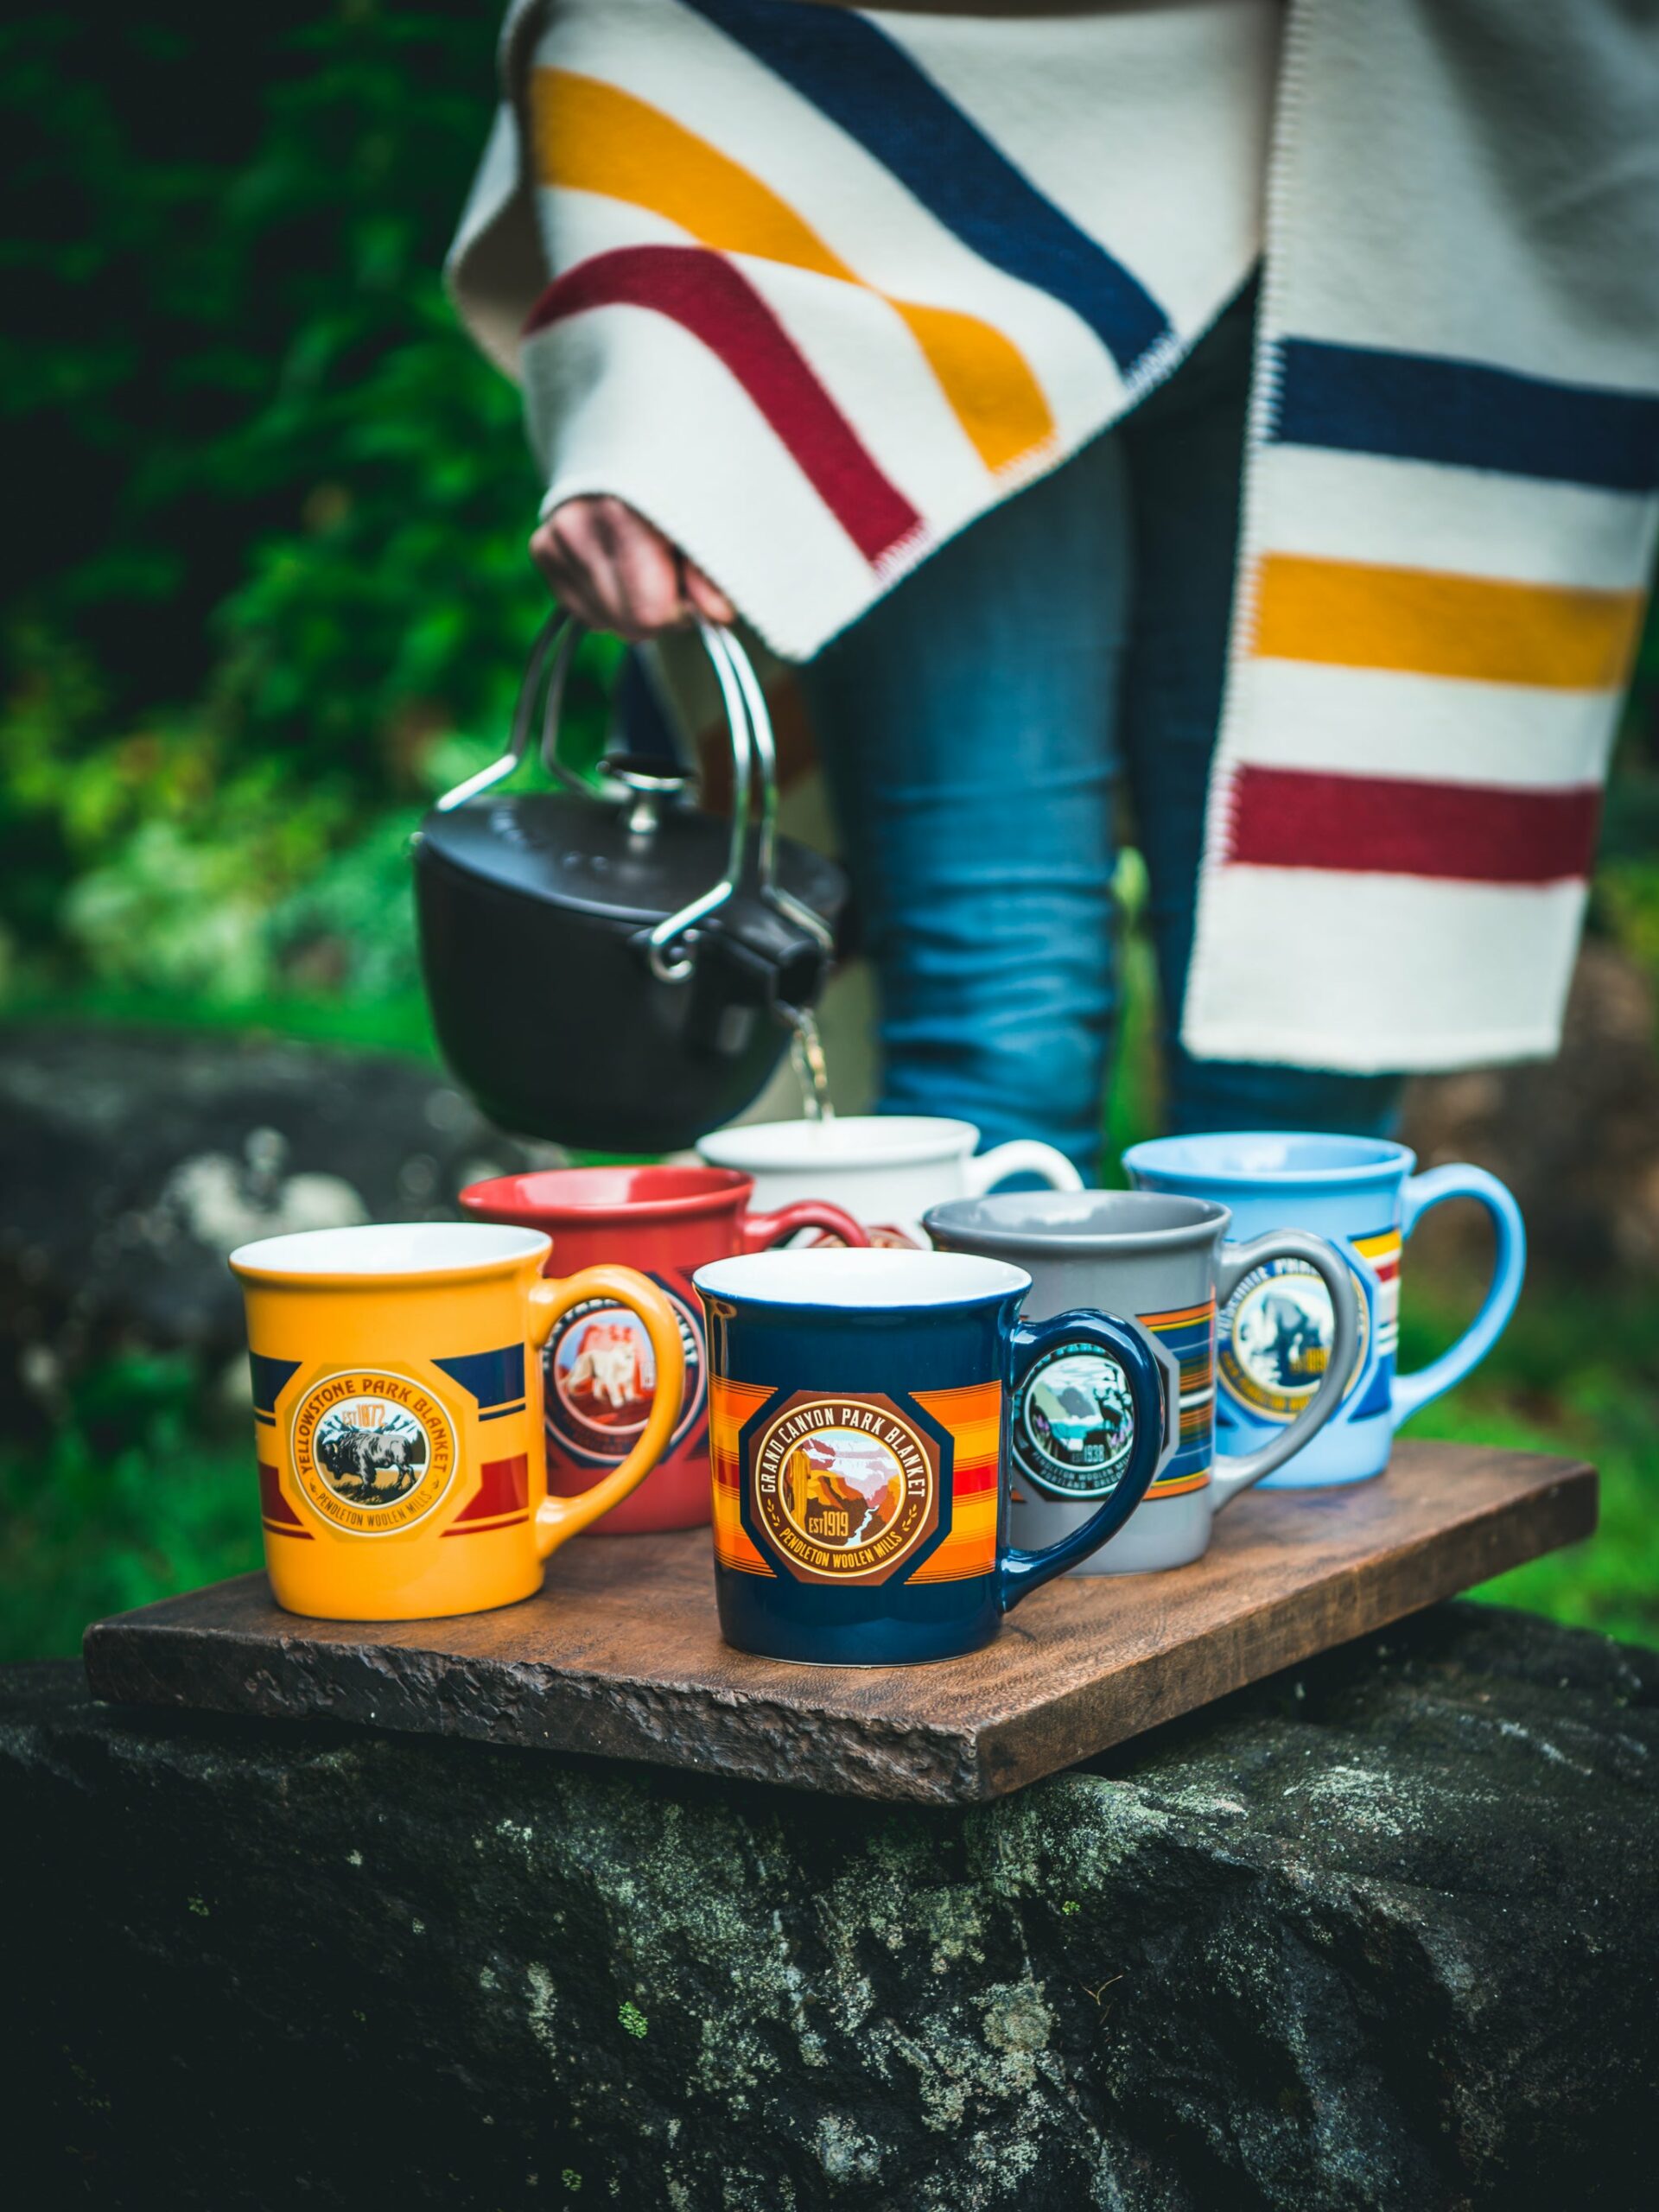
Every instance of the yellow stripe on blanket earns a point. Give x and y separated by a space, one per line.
592 136
1352 615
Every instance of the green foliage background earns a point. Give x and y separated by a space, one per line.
265 587
265 591
270 576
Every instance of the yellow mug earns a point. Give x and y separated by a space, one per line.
399 1413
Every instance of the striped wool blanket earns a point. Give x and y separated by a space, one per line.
813 287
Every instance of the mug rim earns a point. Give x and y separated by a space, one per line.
323 1256
866 1279
1386 1158
1210 1220
507 1199
911 1140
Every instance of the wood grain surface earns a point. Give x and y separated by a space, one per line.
620 1654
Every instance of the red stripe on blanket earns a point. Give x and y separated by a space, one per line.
707 295
1387 825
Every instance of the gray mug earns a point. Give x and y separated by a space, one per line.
1162 1262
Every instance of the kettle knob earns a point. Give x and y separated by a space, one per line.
649 789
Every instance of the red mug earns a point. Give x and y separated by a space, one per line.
665 1222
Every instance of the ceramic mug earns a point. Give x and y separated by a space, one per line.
1164 1261
596 1364
397 1411
857 1435
886 1169
1360 1193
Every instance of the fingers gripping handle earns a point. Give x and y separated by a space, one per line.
557 1518
1413 1392
1024 1571
1235 1472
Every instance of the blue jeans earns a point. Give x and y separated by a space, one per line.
975 728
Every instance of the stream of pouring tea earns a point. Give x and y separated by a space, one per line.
806 1052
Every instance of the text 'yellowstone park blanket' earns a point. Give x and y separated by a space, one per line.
813 287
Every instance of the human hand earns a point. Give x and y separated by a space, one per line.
613 570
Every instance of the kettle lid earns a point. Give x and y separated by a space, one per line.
639 864
573 853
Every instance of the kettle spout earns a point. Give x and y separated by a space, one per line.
750 964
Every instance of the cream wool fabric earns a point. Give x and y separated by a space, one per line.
1473 182
812 289
632 403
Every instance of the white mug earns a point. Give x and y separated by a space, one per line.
884 1169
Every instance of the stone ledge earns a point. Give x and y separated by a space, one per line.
134 1160
1377 1933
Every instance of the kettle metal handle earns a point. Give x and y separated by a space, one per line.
748 726
558 632
766 748
749 723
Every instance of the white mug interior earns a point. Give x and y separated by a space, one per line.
854 1280
843 1145
397 1248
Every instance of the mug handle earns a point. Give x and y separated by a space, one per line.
1413 1392
1019 1572
1236 1471
760 1230
558 1518
983 1170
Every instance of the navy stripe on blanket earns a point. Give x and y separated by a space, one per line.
865 82
1423 407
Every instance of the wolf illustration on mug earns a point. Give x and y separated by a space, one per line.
609 1369
599 1365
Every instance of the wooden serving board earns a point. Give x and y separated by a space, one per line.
621 1655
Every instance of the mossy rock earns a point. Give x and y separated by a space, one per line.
1378 1933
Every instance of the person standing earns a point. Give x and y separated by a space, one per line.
931 343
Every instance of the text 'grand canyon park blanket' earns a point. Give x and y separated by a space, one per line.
813 288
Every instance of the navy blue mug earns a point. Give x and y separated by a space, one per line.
858 1432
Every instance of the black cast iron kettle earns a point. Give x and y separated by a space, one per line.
608 968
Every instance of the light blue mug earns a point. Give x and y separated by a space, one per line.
1274 1337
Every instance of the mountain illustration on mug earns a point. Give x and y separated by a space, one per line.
842 1487
1077 1412
604 1372
1282 1334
